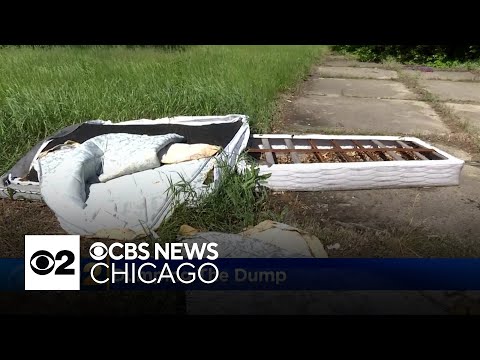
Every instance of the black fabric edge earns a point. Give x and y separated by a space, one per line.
208 133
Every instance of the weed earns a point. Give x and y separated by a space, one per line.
238 201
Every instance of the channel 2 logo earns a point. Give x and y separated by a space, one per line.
52 262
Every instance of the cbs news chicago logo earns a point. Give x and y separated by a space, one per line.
52 262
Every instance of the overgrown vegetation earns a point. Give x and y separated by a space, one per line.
43 89
237 202
430 55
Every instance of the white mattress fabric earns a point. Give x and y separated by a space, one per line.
113 185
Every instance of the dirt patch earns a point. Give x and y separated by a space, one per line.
20 218
343 230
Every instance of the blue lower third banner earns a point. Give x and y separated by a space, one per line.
265 274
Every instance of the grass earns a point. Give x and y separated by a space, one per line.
237 202
45 89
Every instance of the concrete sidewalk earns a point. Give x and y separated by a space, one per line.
345 96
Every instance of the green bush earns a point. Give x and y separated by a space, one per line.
420 54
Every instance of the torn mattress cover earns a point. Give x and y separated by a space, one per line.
114 180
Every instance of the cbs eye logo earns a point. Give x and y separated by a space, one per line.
52 262
42 262
98 251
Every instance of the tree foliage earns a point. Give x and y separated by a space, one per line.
413 53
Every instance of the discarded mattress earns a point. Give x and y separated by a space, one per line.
108 180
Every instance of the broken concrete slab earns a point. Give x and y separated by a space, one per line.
355 73
367 88
468 112
445 75
453 90
311 114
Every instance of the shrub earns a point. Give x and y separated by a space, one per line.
413 53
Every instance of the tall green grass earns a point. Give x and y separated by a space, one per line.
45 89
237 202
